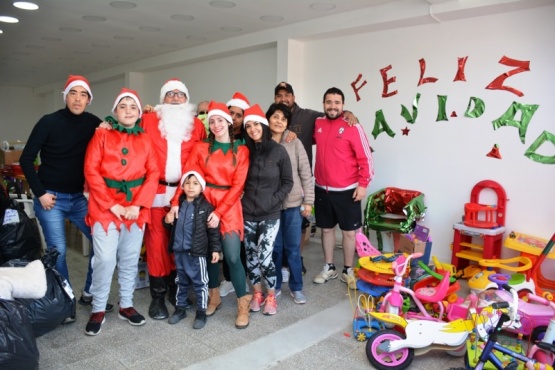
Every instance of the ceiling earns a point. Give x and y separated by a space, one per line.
85 36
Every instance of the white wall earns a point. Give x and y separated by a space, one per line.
20 111
445 159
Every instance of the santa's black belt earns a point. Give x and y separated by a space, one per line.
174 184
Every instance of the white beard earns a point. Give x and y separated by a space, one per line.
176 126
176 121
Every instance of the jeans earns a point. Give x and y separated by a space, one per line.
73 207
288 242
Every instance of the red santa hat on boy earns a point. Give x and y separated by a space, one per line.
128 93
197 175
255 114
173 84
239 100
219 109
73 81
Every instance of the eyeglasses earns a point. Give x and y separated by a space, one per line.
179 94
202 112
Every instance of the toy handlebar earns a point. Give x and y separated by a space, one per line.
498 305
536 298
401 268
513 306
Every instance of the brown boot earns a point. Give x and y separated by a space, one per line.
214 301
243 305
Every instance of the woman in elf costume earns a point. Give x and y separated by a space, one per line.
122 175
224 163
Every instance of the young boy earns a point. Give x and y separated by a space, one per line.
192 241
122 174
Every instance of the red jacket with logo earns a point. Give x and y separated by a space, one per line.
343 156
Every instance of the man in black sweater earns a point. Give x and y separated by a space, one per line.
61 138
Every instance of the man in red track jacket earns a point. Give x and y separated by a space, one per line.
343 170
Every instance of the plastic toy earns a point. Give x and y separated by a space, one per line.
531 361
537 250
481 221
530 315
363 325
522 282
378 270
393 300
389 349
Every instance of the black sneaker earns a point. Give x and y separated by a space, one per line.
179 314
200 320
132 316
95 323
87 301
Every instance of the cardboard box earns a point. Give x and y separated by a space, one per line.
141 280
406 243
9 157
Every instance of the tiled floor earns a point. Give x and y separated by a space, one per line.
315 335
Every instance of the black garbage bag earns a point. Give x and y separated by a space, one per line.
18 346
19 235
49 312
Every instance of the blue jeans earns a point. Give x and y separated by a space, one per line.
288 241
73 207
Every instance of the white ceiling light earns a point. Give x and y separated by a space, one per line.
123 5
25 5
1 32
222 4
322 6
271 18
6 19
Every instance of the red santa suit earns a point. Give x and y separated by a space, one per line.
172 143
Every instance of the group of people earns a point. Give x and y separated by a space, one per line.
230 179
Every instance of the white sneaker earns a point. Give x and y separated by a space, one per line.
284 275
349 278
226 287
325 275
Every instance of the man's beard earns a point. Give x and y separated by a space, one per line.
337 115
176 121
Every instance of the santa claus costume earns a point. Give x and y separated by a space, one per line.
173 129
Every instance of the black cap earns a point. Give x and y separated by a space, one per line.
284 86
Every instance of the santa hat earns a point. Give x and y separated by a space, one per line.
73 81
173 84
197 175
239 100
128 93
255 114
218 109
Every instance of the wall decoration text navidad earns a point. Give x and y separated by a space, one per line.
476 106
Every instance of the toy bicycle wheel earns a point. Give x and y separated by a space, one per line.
383 360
